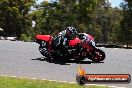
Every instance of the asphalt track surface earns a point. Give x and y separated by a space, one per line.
23 59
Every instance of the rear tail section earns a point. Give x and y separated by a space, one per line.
43 37
45 44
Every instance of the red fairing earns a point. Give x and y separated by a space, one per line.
91 37
43 37
74 42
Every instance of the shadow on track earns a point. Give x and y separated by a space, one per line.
65 62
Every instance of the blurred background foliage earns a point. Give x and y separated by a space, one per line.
107 24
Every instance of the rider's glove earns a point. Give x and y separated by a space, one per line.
81 36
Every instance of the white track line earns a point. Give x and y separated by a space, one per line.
21 77
116 87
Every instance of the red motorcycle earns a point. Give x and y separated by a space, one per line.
77 49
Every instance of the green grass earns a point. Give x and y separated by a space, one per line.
11 82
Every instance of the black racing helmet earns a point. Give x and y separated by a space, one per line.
71 32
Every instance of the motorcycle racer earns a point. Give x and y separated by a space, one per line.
63 37
61 42
66 48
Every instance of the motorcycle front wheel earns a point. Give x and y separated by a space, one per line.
97 56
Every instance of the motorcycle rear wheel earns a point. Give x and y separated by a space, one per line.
44 51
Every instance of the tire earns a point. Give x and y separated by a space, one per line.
97 56
48 56
43 48
43 51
